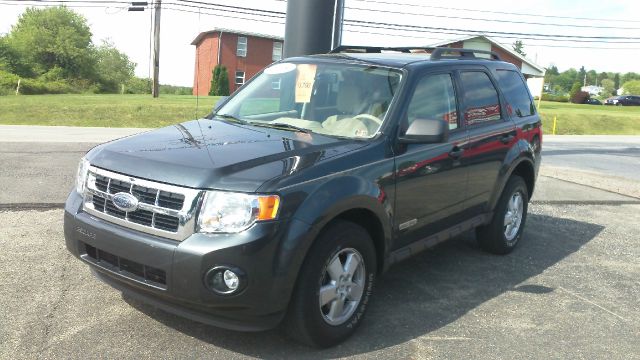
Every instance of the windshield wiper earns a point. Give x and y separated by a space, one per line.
230 118
281 126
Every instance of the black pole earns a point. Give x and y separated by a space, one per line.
309 27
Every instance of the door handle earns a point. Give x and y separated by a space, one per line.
456 152
505 139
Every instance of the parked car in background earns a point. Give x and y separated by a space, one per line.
592 102
624 100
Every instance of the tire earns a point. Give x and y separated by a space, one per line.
496 237
315 325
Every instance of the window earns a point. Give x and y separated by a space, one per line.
277 51
239 77
242 46
435 99
480 98
514 89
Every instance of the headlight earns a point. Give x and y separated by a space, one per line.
225 212
81 176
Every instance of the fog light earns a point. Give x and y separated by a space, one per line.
231 279
225 280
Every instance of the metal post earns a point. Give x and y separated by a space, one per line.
309 27
156 49
337 24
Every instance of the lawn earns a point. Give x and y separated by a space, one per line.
574 119
144 111
102 110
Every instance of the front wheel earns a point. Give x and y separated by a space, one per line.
333 287
505 230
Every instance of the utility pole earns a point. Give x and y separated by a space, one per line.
156 49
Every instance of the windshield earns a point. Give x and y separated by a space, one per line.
343 100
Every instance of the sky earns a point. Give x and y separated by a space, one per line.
130 31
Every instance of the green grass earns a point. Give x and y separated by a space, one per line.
144 111
102 110
574 119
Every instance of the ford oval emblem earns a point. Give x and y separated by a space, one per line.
125 201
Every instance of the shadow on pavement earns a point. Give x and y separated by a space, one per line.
421 294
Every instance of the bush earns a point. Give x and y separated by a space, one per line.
556 98
579 97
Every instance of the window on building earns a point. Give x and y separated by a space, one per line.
277 51
242 46
519 102
480 98
239 77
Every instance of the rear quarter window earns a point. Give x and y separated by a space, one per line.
519 101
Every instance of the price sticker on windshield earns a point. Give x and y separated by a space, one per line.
304 82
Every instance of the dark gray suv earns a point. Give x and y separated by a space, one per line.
287 202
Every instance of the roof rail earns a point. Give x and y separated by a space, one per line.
377 49
437 53
441 53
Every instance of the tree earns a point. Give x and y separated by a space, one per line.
631 87
219 81
518 47
575 89
582 73
215 77
616 81
54 37
113 67
608 88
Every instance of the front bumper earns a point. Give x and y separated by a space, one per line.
169 274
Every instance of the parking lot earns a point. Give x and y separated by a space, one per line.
570 290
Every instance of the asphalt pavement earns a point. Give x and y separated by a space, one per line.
570 290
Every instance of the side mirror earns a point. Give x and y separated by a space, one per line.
426 131
219 103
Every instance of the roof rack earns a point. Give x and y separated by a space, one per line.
437 53
441 53
376 49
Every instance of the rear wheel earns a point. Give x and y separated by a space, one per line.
333 287
505 230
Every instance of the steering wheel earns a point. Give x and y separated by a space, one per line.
369 117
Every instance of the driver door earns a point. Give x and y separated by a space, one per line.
431 183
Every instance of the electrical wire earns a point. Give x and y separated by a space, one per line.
490 11
386 11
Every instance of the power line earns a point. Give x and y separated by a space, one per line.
492 20
531 45
226 16
490 11
417 27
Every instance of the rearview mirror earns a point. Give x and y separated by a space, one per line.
426 131
219 103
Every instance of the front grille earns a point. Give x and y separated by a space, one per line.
131 269
164 210
145 195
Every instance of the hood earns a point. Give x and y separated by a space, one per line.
213 154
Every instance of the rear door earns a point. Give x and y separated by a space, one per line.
491 135
430 178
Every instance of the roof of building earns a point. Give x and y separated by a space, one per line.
198 38
494 42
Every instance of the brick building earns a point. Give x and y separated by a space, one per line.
243 54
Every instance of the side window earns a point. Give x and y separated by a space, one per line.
514 89
480 98
434 98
